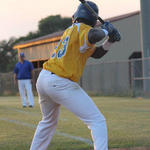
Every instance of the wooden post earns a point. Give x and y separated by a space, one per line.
38 64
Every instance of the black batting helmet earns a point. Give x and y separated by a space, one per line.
83 13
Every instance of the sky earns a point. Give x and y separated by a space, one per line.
19 17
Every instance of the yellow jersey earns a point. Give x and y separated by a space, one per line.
68 59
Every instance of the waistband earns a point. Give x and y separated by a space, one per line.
47 71
23 78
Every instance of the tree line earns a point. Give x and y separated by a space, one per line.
48 25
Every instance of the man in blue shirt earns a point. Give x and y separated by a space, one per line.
23 73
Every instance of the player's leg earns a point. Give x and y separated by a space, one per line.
21 87
28 87
78 102
84 108
71 95
47 126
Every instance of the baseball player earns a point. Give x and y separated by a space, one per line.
57 82
23 74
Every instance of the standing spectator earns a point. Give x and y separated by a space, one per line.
23 73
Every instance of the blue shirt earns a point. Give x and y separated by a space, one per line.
23 70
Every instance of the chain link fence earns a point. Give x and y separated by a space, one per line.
107 79
124 78
140 77
9 87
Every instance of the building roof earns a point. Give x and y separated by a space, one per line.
57 35
41 40
124 16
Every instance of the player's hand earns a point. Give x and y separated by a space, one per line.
108 26
114 36
31 81
15 82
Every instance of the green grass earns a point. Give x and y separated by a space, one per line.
128 121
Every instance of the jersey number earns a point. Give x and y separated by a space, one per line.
61 52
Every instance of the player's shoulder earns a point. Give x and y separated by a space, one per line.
84 28
18 63
81 27
77 28
27 61
85 25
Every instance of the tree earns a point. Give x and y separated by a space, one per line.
46 26
8 56
52 24
29 36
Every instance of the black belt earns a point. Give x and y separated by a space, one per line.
52 73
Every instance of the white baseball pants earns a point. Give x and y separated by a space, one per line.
55 91
25 87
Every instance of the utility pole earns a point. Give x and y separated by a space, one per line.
145 18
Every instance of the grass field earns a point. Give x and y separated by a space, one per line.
128 121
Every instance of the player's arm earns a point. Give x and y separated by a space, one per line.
101 50
113 35
31 68
96 35
32 75
15 78
15 74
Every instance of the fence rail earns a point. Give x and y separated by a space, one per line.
124 78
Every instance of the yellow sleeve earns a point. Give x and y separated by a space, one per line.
83 38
